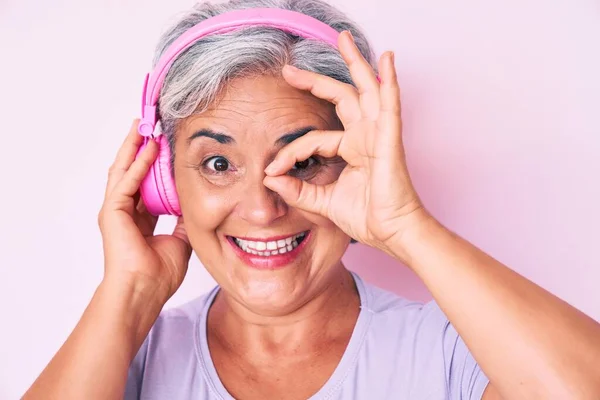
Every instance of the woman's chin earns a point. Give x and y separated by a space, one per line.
269 297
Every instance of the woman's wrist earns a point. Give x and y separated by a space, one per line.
414 231
139 303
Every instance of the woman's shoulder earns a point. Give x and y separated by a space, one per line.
189 310
169 354
405 335
180 321
381 301
389 308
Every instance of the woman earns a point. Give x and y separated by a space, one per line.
276 168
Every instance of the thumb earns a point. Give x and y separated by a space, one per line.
176 251
180 233
300 194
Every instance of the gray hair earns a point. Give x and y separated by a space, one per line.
201 73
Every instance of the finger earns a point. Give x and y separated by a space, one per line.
144 220
301 194
131 181
362 74
390 120
323 143
139 202
343 95
184 249
124 157
180 232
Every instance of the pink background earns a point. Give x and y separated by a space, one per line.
501 108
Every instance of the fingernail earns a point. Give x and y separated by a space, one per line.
271 183
291 68
271 168
392 57
351 36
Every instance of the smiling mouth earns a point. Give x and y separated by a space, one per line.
272 247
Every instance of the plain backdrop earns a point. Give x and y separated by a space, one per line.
502 130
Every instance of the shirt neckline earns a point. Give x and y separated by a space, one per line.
336 379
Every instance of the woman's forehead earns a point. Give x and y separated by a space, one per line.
264 94
265 104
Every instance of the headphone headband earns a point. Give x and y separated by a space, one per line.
289 21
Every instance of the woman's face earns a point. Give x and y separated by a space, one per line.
269 257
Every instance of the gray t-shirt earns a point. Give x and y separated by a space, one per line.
399 350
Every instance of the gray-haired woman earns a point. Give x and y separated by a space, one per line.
276 169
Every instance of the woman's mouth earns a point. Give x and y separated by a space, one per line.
272 247
269 253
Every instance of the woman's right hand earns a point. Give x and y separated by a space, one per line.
132 254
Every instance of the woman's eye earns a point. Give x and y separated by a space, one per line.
306 169
217 164
304 164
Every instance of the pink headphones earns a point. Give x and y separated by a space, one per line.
158 187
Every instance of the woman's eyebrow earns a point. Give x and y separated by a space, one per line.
295 134
219 137
226 139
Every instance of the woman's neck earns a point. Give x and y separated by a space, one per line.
327 317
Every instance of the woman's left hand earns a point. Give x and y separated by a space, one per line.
373 200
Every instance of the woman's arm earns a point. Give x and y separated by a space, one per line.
531 344
93 362
141 272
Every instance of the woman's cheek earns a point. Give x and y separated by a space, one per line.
208 207
203 205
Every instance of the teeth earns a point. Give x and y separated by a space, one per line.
269 248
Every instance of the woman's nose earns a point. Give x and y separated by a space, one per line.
259 206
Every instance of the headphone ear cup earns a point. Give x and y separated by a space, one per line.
158 189
167 187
